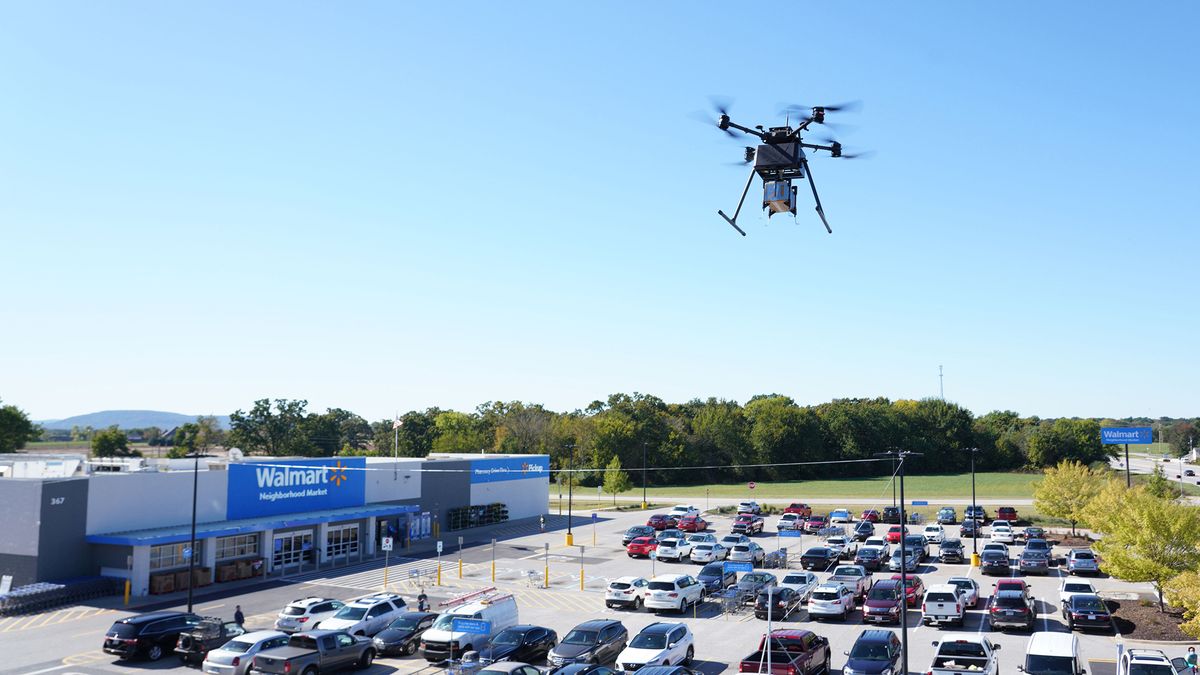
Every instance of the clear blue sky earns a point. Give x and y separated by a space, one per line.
384 206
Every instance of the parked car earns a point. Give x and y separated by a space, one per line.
1011 584
815 523
997 546
874 652
148 635
194 643
993 563
316 651
789 652
789 521
947 516
777 603
1038 545
750 584
693 523
1011 609
635 532
864 530
883 602
911 560
914 590
1082 561
403 635
673 550
1150 662
1007 513
870 515
943 605
659 644
588 669
1032 532
950 551
504 668
934 533
1002 534
843 546
870 557
236 656
1070 587
801 582
522 643
799 508
964 654
970 528
895 532
681 511
731 540
749 552
818 558
1086 611
704 553
626 592
702 538
714 577
661 521
831 599
748 524
306 613
673 591
494 612
749 506
1189 472
968 588
917 543
596 641
891 515
669 533
1034 562
840 516
976 513
855 577
642 546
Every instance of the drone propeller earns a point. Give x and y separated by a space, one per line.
816 113
838 152
720 105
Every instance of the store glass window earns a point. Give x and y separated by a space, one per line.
167 556
293 548
237 546
342 541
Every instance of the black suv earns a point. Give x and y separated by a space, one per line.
595 641
874 652
527 644
950 551
891 514
151 635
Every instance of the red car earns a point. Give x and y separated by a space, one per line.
693 524
660 521
641 546
893 533
870 515
1011 585
915 591
1007 513
815 523
799 507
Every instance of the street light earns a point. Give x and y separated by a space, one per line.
192 545
644 444
972 509
570 491
898 457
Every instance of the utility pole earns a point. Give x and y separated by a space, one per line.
899 456
644 444
941 387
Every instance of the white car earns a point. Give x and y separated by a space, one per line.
306 613
801 582
366 616
934 534
731 540
680 510
789 521
1148 662
830 600
659 644
675 550
879 542
749 552
842 546
1072 587
749 506
626 592
673 591
702 538
1003 535
236 656
995 546
968 590
840 516
705 553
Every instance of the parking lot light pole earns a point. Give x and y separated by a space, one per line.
644 444
974 539
570 492
192 544
898 457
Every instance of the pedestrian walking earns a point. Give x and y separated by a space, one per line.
1191 659
238 617
422 602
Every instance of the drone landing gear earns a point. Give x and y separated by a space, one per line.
733 221
816 198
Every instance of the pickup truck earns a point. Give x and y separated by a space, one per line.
942 605
316 651
854 577
211 633
792 652
965 653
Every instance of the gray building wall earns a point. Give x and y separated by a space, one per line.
119 502
20 502
64 553
441 492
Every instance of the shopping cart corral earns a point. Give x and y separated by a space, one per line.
44 595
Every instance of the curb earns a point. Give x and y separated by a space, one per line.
1131 641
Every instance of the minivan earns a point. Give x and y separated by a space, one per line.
1052 654
440 642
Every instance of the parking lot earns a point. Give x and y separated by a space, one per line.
72 644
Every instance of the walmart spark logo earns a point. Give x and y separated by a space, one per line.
338 474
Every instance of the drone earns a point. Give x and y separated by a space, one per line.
780 159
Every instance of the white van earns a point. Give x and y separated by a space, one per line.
440 642
1052 654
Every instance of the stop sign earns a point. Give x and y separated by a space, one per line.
750 485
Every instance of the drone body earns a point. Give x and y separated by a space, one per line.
778 160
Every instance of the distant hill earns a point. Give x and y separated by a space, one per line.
128 419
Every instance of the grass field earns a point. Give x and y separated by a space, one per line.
987 485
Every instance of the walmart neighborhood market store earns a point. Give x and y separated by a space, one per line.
253 517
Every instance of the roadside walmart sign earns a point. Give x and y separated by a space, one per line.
292 486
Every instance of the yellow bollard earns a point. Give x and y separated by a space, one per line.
547 585
643 506
439 574
570 539
581 580
460 568
974 560
493 570
126 591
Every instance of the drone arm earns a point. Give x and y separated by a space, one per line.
747 130
816 197
733 221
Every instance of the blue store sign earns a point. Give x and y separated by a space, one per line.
294 486
510 468
1130 435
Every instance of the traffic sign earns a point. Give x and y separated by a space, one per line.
739 566
471 626
439 547
750 485
595 517
791 533
387 543
920 502
187 552
1131 435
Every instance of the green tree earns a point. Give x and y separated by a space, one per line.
112 442
460 432
1158 485
616 480
1184 591
1065 491
276 432
208 433
1153 540
1079 440
15 429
